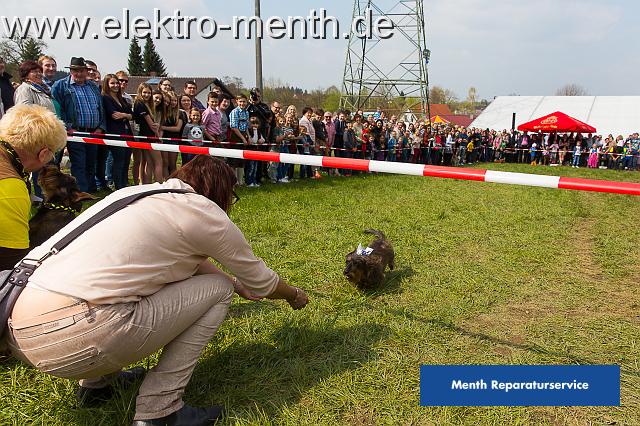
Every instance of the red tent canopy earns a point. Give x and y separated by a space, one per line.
557 122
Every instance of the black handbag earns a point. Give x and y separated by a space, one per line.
14 281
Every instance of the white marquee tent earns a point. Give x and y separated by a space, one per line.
616 115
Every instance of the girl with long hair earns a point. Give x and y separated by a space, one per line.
144 112
172 126
118 118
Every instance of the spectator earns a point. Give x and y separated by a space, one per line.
118 120
123 78
194 132
6 88
223 106
49 69
92 70
81 110
33 91
29 137
340 125
256 139
239 124
143 113
155 289
165 85
211 118
257 108
172 127
191 90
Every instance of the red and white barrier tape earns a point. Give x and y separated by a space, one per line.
556 182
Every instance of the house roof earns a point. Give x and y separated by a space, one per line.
203 83
436 109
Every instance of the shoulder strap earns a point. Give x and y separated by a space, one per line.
106 212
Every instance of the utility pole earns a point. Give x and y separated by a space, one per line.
258 52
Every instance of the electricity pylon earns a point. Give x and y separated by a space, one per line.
390 74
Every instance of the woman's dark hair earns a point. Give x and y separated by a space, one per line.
26 67
211 177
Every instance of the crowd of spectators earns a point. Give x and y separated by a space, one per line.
90 104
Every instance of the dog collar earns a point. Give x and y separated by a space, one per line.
59 207
363 251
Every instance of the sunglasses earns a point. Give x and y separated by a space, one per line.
123 80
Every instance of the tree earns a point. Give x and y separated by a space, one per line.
134 64
15 50
153 63
331 99
32 50
439 95
571 90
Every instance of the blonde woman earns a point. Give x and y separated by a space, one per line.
172 125
29 137
144 112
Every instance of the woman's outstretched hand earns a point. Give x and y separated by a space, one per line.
300 300
244 292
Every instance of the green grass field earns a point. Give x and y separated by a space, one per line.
486 274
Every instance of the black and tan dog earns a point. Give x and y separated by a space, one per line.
62 202
365 267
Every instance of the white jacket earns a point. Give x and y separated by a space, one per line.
29 95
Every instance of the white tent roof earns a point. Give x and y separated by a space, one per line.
616 115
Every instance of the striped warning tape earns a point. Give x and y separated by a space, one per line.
556 182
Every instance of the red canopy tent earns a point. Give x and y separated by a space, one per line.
557 122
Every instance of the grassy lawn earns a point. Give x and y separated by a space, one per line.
486 274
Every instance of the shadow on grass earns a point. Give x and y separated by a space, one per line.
497 341
275 373
392 282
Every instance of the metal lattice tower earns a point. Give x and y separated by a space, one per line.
392 73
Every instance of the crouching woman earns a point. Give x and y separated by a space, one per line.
139 281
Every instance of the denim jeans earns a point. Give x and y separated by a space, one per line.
120 169
83 164
283 168
250 169
576 160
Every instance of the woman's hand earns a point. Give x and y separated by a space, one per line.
300 300
244 292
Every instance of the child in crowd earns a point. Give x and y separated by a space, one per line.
533 151
592 163
577 152
275 171
194 131
211 119
307 145
239 124
391 146
256 139
554 152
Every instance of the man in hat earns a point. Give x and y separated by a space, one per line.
81 110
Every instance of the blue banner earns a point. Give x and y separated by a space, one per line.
520 385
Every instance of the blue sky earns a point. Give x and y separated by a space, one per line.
500 46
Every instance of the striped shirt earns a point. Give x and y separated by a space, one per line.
88 103
239 119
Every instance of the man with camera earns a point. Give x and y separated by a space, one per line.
259 109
